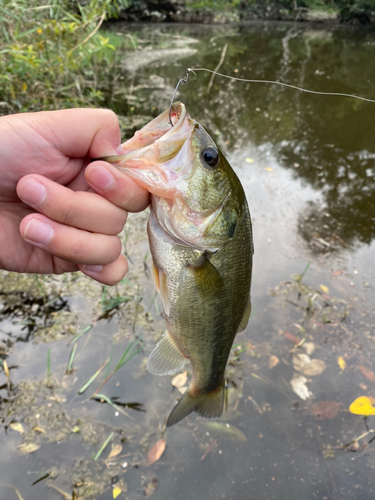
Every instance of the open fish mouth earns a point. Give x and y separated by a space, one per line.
150 155
158 130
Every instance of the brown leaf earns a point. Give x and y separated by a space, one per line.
307 366
367 373
179 380
156 451
116 450
273 361
325 409
291 337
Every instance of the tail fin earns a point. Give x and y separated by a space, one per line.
208 405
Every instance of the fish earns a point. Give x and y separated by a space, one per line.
201 243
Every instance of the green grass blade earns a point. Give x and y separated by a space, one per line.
87 384
104 446
77 337
71 359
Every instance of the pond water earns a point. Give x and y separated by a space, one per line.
307 164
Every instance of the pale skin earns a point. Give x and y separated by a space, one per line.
59 212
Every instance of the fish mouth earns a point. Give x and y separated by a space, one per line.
157 129
148 153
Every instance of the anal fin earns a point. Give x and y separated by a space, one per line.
165 359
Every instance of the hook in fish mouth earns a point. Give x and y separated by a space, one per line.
159 128
181 80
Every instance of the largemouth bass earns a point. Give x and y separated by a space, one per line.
201 244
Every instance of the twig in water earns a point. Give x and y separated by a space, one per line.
217 67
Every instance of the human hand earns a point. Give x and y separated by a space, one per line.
59 212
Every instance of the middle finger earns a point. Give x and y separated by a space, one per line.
80 209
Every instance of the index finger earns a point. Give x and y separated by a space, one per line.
117 187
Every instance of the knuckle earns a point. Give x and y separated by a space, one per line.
69 211
77 250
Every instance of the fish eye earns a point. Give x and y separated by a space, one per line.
210 156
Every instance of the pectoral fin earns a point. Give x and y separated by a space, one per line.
245 318
207 277
165 359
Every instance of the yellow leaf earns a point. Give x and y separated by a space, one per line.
342 363
39 31
249 160
269 169
362 406
26 448
179 380
6 369
24 86
16 426
116 491
324 288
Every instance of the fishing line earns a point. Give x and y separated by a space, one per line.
270 82
181 80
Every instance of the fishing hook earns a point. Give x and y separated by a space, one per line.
181 80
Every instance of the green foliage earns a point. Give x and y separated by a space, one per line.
53 56
359 10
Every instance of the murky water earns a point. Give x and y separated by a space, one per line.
307 164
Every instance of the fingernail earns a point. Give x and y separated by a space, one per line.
33 193
101 178
39 232
92 269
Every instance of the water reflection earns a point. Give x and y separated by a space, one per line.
326 141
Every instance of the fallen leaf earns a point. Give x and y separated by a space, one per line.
309 367
179 380
367 373
309 347
16 426
227 430
116 450
269 169
273 361
76 429
249 160
342 363
324 288
362 406
325 409
26 448
6 369
299 387
116 491
291 337
38 429
156 451
182 389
